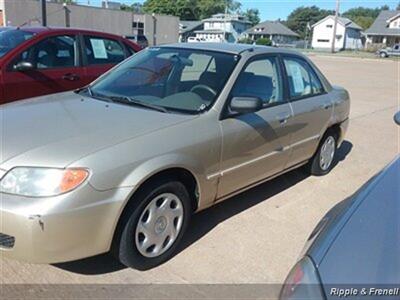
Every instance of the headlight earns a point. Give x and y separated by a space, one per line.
42 182
302 282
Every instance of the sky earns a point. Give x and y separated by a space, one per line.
280 9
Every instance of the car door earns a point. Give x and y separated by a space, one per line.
100 54
255 144
54 68
312 108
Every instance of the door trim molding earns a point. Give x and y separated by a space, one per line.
254 160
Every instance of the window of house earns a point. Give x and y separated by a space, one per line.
329 26
138 28
322 41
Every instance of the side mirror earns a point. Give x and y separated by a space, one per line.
23 66
397 118
244 105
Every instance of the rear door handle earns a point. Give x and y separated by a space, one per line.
327 106
71 77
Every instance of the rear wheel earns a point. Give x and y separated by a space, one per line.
156 225
323 160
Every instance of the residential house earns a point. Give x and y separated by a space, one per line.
348 34
278 33
187 29
223 28
385 30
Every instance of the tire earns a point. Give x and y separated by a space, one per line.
320 164
383 55
133 247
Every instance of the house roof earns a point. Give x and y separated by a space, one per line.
396 16
215 31
227 18
186 26
271 27
381 26
346 22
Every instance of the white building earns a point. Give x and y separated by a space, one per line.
223 28
348 34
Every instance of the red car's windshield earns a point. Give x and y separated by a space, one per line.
11 38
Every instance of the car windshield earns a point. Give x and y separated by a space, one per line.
11 38
168 79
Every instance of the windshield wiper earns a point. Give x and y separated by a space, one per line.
133 101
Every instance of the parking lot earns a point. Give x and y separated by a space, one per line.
257 236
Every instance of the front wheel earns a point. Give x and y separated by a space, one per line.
322 161
156 225
383 55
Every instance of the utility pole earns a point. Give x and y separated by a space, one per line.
106 3
225 15
154 29
335 25
44 15
67 15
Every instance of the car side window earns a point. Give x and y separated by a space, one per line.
303 81
101 50
260 78
54 52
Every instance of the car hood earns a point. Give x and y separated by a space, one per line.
56 130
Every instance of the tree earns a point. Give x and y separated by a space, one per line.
300 17
252 15
364 16
136 7
190 9
398 6
264 42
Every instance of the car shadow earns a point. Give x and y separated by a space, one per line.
204 221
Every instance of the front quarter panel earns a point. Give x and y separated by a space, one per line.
194 145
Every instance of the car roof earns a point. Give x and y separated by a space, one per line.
229 48
42 29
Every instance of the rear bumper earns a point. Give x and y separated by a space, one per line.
52 230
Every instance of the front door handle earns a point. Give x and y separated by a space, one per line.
283 119
71 77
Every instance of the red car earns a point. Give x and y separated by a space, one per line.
37 61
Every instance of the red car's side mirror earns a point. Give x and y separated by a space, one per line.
23 66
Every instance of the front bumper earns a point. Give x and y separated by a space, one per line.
63 228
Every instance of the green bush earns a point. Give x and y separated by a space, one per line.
264 42
246 40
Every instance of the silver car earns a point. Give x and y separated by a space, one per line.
123 164
353 252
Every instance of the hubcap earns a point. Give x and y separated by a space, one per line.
327 153
159 225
